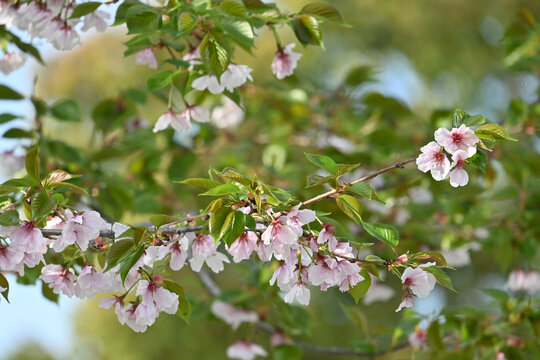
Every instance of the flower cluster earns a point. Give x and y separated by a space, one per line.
51 21
417 282
528 281
459 143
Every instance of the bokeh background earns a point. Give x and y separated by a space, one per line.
374 96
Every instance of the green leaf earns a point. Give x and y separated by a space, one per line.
460 117
32 166
233 175
308 30
434 338
129 262
351 206
7 93
184 307
324 162
223 189
279 195
342 169
84 9
234 7
9 218
385 233
362 188
493 130
76 189
496 294
233 227
48 293
430 256
186 22
42 204
315 180
180 80
117 251
4 118
160 220
200 182
214 53
217 220
159 80
324 11
441 277
142 19
5 284
287 352
67 110
240 31
360 289
27 48
359 75
250 222
18 134
478 160
474 120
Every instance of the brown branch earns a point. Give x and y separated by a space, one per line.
331 192
110 234
211 286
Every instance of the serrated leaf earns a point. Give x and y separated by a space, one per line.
323 10
233 227
222 189
7 93
186 22
159 220
129 262
84 9
200 182
76 189
383 232
307 29
117 251
315 180
233 175
159 80
42 204
66 110
234 7
322 161
493 130
240 31
217 219
342 169
441 277
360 289
474 120
460 117
214 53
142 19
430 256
9 218
351 206
362 188
280 195
216 205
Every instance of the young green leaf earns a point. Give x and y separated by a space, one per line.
222 189
441 277
42 204
32 165
117 251
360 289
159 80
66 110
9 218
493 130
84 9
385 233
351 206
200 182
324 162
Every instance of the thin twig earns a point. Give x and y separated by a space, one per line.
110 234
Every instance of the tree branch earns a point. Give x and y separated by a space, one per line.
331 192
110 234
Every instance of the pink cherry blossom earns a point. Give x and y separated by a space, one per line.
524 280
326 236
235 76
146 57
300 292
297 218
284 275
10 256
433 159
278 338
91 282
138 316
349 275
458 176
197 113
324 271
406 302
418 338
97 19
243 350
28 238
66 39
163 299
228 115
59 278
80 229
179 122
418 280
233 315
153 254
242 247
281 237
204 251
462 138
179 252
285 61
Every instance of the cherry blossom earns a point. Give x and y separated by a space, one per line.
418 282
458 176
300 292
146 57
242 247
280 235
179 122
324 271
197 113
233 315
326 236
284 274
161 298
462 138
91 282
418 338
433 159
179 252
243 350
235 76
59 278
204 250
11 61
66 39
228 115
80 229
209 82
96 19
524 280
28 238
297 218
138 316
10 256
285 61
